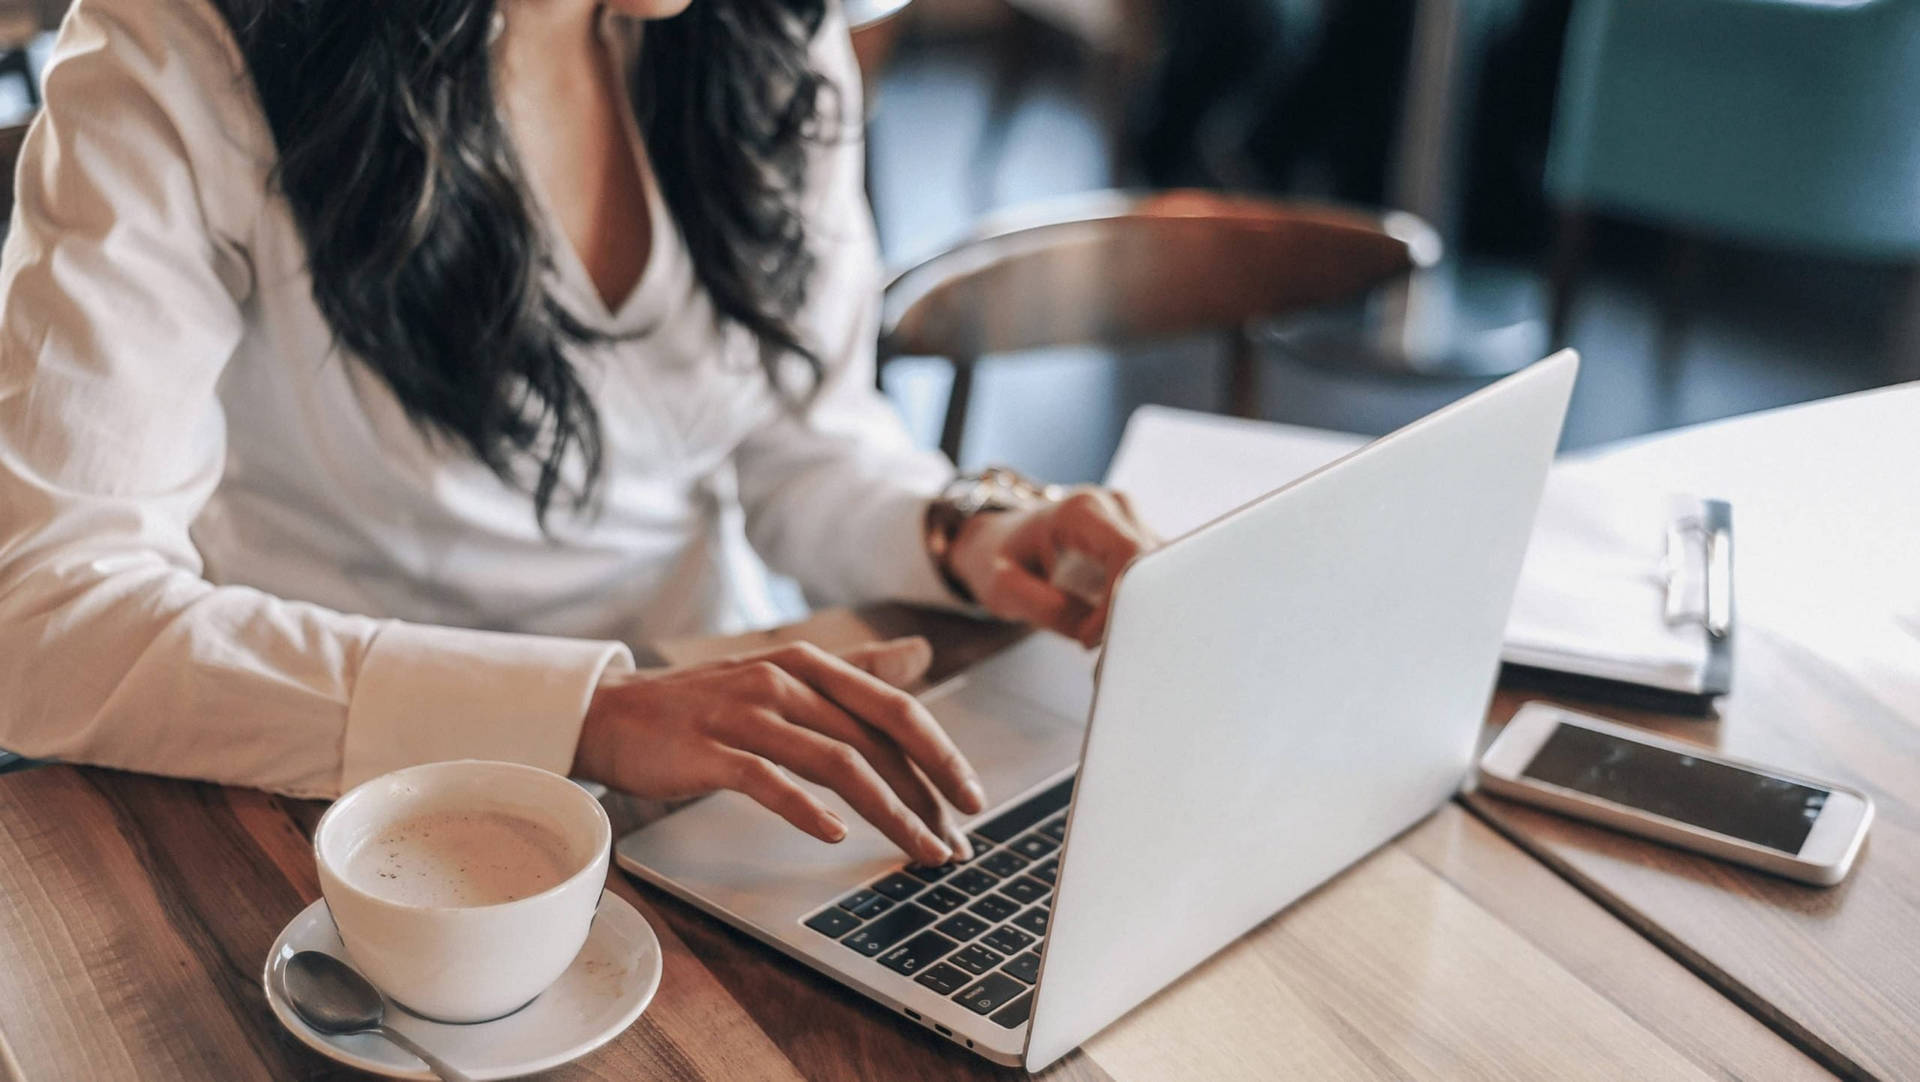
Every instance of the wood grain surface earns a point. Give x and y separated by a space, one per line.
1837 968
136 911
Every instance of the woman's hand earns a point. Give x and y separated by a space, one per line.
1009 560
745 722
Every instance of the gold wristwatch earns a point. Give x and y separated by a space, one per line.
996 488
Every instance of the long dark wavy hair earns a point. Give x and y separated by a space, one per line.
425 257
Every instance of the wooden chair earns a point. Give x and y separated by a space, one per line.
1116 268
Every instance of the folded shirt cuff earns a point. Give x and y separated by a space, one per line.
901 552
427 694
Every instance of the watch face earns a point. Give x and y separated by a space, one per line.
995 488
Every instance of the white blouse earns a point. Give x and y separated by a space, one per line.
225 553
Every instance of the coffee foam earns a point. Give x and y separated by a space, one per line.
460 858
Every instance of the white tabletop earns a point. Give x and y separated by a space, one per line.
1826 500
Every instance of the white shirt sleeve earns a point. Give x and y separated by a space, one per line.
122 291
836 497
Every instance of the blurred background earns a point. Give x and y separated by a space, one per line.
1716 201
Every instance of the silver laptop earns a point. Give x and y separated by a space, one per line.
1282 690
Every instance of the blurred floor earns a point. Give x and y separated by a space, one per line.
1767 330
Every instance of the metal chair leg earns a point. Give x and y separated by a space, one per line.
1903 339
1243 374
1676 295
954 429
1572 239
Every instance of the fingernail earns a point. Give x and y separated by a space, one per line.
935 845
962 848
977 795
836 830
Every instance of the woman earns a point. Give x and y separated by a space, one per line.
370 372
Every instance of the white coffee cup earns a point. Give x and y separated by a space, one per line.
465 963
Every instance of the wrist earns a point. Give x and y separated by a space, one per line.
595 752
963 517
980 538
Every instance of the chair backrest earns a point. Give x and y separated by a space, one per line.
1113 268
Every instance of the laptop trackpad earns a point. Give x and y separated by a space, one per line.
1013 742
739 857
1051 671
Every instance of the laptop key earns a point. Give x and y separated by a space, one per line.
1006 939
943 978
963 926
932 874
1004 862
833 923
917 953
889 929
1034 846
994 908
1049 871
1024 890
989 993
1056 829
976 959
1033 920
973 881
865 903
1009 824
899 886
981 843
1015 1013
942 899
1026 967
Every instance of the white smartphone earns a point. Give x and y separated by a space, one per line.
1678 794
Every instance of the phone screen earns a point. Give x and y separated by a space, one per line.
1740 803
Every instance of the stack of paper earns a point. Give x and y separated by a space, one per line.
1593 593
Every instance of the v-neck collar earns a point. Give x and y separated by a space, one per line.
644 303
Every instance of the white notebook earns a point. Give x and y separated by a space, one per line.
1616 583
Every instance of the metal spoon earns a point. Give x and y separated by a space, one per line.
333 997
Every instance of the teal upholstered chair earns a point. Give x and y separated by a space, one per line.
1783 123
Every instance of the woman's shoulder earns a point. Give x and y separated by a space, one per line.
162 75
154 34
180 53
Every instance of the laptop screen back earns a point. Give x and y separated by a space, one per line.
1287 688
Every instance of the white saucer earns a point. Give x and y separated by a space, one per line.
601 993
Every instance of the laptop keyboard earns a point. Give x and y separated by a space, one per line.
971 932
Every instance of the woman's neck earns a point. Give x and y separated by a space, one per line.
545 37
564 107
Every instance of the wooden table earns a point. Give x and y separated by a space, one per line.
1827 681
135 913
1837 970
